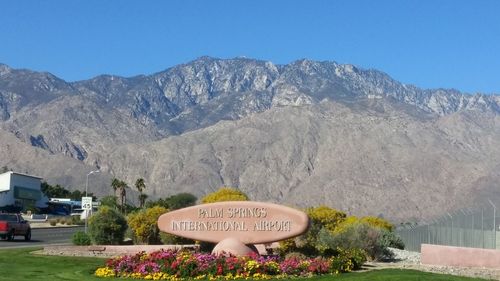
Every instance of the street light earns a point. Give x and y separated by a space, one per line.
86 188
87 183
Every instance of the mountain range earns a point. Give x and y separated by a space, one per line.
300 134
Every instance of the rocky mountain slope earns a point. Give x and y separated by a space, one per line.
303 134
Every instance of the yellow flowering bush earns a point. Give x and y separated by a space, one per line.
225 194
144 224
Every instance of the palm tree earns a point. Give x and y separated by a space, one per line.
119 187
140 185
142 199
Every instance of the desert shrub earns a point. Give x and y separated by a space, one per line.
81 238
326 217
75 220
391 239
361 236
378 222
294 255
67 221
287 246
323 219
346 223
53 222
225 194
331 233
347 260
144 224
107 226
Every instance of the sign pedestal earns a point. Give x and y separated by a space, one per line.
233 246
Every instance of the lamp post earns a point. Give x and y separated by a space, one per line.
87 183
86 189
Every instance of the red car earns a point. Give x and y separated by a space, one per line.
12 225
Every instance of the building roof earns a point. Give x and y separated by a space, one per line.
21 174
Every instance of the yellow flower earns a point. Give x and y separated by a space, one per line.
104 272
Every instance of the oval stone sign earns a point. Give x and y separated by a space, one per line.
249 222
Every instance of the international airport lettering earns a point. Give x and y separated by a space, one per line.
234 219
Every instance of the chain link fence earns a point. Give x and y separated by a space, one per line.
476 228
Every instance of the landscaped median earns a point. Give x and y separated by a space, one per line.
22 265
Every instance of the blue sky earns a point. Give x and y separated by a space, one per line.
431 44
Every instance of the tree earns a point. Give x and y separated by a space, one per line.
140 185
174 202
5 169
119 187
142 199
109 201
225 194
55 191
181 200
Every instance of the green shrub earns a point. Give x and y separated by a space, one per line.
81 238
356 256
347 260
295 255
170 239
75 220
107 227
53 222
361 236
391 239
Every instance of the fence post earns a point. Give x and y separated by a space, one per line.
472 231
451 230
494 224
482 224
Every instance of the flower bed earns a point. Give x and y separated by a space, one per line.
174 265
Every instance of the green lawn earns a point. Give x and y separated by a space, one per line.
20 264
394 275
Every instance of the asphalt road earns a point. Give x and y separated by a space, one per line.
42 237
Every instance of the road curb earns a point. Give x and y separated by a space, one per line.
56 226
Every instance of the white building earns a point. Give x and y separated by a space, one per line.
21 190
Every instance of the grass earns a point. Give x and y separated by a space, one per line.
394 275
20 264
